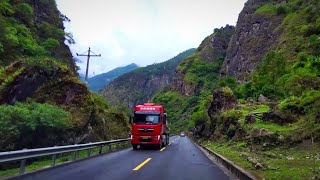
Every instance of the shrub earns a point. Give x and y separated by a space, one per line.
30 125
282 9
50 44
5 8
228 81
227 92
232 115
265 81
45 64
199 118
25 12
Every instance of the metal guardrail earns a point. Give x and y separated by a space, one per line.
23 155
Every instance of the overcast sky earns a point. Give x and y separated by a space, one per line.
142 31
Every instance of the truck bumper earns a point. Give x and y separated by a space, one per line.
140 140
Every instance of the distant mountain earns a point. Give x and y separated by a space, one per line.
100 81
140 85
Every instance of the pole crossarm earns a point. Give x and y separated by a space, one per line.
88 55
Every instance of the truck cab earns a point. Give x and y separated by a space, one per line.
149 126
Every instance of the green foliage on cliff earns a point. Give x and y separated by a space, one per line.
31 28
32 124
200 73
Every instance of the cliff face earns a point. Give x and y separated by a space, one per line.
42 101
254 36
140 85
188 78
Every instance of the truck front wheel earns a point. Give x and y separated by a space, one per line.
135 147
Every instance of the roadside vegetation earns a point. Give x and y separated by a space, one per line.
301 162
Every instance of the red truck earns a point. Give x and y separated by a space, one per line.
149 126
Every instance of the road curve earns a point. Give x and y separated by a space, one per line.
181 160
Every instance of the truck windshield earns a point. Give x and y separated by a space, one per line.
145 119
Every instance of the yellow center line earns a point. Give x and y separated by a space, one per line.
169 144
163 149
142 164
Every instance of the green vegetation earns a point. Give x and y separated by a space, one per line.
177 107
282 163
200 73
267 9
275 129
42 101
272 9
26 33
32 125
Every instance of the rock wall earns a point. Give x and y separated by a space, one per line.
254 36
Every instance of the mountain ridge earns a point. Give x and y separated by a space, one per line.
98 82
141 84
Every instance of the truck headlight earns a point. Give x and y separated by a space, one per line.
131 137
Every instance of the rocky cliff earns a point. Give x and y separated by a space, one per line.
254 36
204 65
140 85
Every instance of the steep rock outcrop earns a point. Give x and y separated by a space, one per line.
214 46
212 49
254 36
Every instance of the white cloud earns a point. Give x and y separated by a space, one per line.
142 31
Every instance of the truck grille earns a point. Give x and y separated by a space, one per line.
145 140
145 129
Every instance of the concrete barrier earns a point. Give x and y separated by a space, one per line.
233 168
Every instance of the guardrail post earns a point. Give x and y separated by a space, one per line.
54 156
74 155
22 166
100 149
53 160
89 152
110 147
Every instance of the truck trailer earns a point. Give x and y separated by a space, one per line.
149 126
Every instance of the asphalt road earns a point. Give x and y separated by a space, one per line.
179 160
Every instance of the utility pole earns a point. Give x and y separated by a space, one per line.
88 55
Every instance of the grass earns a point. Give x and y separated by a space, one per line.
247 109
46 162
283 163
274 127
267 9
